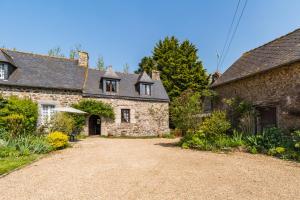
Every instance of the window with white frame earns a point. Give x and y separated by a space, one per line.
147 89
3 71
47 112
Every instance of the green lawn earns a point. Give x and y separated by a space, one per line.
10 163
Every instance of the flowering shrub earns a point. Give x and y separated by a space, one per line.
57 140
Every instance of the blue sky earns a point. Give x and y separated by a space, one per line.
125 31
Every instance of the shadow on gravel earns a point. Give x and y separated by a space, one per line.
168 144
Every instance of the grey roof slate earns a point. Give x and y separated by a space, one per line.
44 71
32 70
109 73
144 78
276 53
127 88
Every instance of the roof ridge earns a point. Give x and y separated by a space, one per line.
41 55
274 40
95 69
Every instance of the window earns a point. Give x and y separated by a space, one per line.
3 71
47 112
147 89
125 115
111 86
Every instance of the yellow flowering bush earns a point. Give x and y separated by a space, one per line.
57 140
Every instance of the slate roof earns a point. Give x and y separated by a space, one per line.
144 78
109 73
40 71
279 52
127 88
34 70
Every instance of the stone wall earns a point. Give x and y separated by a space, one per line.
279 87
147 118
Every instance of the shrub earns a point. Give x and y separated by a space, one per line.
57 140
15 124
62 122
6 151
30 144
296 139
168 135
216 124
185 110
23 107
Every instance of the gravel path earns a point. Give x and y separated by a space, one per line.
98 168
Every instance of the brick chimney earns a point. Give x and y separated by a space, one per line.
83 59
155 75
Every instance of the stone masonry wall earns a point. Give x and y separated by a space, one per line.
146 118
143 122
279 87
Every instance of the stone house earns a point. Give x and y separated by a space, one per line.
140 103
269 78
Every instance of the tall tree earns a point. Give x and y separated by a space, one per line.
178 64
126 68
100 63
56 51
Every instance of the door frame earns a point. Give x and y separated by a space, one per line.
94 125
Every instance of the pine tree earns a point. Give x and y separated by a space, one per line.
179 66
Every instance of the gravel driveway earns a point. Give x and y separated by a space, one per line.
98 168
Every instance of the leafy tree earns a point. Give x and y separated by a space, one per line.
179 65
74 51
100 63
56 51
126 68
146 64
185 110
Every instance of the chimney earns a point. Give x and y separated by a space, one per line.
83 59
215 76
155 75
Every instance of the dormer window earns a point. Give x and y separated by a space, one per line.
143 84
147 89
111 86
3 71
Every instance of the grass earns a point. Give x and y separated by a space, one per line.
10 163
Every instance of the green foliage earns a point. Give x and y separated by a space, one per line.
92 107
14 124
100 63
168 135
216 124
241 114
57 140
12 162
179 65
202 141
275 143
74 51
15 109
56 52
62 122
185 110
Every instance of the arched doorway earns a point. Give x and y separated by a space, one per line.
94 125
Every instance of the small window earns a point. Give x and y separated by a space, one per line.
147 89
47 113
111 86
3 71
125 115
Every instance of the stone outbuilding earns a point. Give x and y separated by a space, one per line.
269 78
140 103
